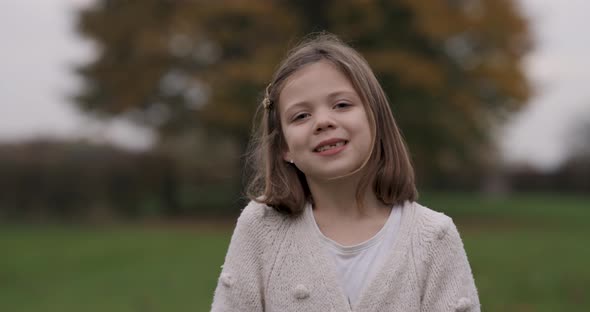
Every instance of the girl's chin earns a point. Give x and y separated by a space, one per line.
331 175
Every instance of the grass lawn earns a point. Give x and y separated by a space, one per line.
117 269
528 253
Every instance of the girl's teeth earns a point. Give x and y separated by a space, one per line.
326 147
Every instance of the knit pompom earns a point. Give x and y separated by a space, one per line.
226 279
301 292
443 232
463 304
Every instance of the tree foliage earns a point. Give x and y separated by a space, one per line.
452 69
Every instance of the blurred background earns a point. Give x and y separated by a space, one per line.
123 125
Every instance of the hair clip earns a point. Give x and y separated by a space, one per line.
266 103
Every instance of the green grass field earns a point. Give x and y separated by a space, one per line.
528 253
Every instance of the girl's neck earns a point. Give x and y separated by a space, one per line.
337 198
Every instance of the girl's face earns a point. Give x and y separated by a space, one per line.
324 122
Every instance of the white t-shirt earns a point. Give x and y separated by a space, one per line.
356 264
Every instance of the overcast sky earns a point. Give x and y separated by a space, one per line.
39 48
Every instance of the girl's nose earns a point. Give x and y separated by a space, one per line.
324 122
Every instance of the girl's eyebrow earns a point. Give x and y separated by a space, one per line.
336 94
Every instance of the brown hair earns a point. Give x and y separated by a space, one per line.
281 185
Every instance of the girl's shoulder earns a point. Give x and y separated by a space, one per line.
430 216
429 224
259 217
258 212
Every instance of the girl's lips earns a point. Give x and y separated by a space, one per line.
333 151
329 142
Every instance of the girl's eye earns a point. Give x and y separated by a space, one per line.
342 105
300 116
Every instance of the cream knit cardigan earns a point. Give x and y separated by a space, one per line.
276 263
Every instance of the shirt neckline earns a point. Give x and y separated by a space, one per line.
356 248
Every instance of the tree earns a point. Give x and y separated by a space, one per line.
451 68
174 65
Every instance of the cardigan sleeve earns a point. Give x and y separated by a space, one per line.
447 277
239 287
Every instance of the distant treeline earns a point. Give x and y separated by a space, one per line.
44 181
572 176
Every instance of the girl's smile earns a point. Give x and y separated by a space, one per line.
330 147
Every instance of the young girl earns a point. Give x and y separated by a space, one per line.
333 224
